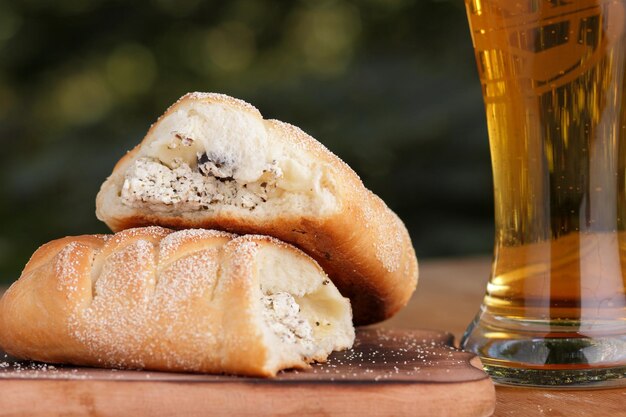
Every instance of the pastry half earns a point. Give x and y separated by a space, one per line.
212 161
192 300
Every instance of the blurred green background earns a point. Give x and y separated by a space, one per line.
388 85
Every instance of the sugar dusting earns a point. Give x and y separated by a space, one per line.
151 284
183 284
390 356
172 242
252 238
141 300
151 232
112 325
305 142
220 98
214 97
387 241
66 267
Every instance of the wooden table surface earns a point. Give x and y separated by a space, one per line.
448 295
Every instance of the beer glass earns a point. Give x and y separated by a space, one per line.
553 74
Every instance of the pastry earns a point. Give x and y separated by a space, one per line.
192 300
212 161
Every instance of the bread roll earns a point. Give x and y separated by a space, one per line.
212 161
193 300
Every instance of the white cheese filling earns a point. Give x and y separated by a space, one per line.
148 182
282 316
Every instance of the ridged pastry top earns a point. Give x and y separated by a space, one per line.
196 300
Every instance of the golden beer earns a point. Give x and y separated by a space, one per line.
554 84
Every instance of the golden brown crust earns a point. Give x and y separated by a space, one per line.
364 247
144 298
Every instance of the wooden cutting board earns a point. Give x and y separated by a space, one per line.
388 372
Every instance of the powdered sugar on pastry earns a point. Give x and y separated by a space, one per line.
194 300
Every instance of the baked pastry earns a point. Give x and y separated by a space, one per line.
193 300
211 161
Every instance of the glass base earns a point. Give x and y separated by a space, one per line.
575 379
548 353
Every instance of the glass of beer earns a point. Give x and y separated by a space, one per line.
553 74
